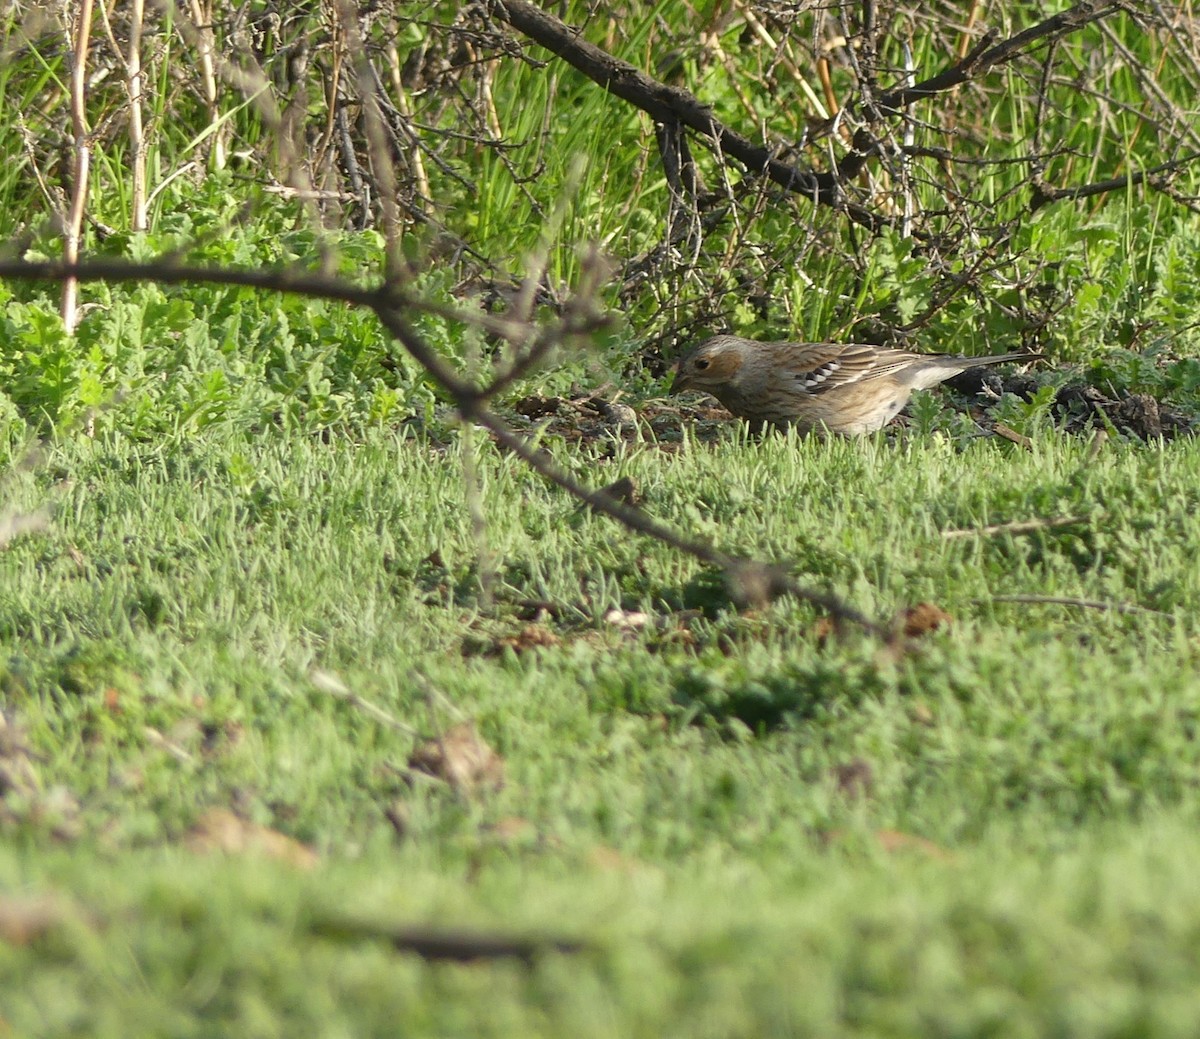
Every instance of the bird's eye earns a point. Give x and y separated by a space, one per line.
701 364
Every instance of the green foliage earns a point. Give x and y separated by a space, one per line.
1028 417
1176 380
762 694
241 516
148 360
508 143
161 641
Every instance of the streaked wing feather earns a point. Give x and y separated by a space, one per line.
820 367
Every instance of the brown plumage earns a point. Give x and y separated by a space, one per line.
839 387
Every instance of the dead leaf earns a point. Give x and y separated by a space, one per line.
512 829
26 919
896 840
535 407
613 413
627 620
921 714
854 778
824 631
532 636
460 758
624 490
220 830
924 618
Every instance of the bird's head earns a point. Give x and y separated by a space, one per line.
714 363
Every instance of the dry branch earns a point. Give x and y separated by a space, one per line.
78 36
664 103
985 56
672 106
750 581
203 39
1044 195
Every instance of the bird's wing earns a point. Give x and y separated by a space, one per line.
819 367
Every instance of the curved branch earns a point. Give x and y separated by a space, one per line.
669 104
750 581
984 57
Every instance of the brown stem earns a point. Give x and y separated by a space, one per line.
204 40
750 581
662 102
1044 196
78 40
984 57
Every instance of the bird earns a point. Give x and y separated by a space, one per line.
847 388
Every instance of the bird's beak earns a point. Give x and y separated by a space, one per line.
680 383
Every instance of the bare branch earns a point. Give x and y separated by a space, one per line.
1044 196
671 104
984 56
750 581
78 36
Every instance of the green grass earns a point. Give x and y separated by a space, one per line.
684 816
1078 945
754 831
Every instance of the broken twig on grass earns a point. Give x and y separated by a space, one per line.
1010 434
1066 600
1018 527
449 943
329 683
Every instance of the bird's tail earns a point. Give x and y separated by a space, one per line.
946 366
975 362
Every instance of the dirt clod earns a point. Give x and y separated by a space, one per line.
460 758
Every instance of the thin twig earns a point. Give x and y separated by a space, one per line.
1043 195
329 683
750 580
987 54
1020 439
157 739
